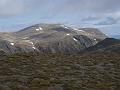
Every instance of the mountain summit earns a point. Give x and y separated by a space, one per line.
50 38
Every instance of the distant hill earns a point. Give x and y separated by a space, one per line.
107 45
50 38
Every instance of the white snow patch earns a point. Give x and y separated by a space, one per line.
37 29
68 34
32 43
40 28
65 26
12 44
33 47
95 39
75 39
81 30
78 30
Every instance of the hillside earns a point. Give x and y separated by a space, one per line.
98 71
107 45
49 38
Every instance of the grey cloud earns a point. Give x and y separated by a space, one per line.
107 21
81 8
92 5
60 6
89 10
91 18
11 7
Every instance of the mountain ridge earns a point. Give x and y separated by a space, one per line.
50 38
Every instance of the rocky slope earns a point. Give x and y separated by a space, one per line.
50 38
107 45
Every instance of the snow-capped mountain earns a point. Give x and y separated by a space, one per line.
50 38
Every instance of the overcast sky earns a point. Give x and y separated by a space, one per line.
103 14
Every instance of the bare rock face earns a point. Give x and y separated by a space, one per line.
50 38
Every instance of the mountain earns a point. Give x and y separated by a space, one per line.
50 38
107 45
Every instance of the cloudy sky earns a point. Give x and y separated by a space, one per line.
103 14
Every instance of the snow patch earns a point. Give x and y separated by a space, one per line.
78 30
12 44
68 34
40 28
81 30
32 43
75 39
33 47
95 40
65 26
37 29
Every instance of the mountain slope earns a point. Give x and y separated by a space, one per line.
94 32
51 38
107 45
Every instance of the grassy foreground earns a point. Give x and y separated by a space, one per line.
99 71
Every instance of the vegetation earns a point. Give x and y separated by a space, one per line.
95 71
